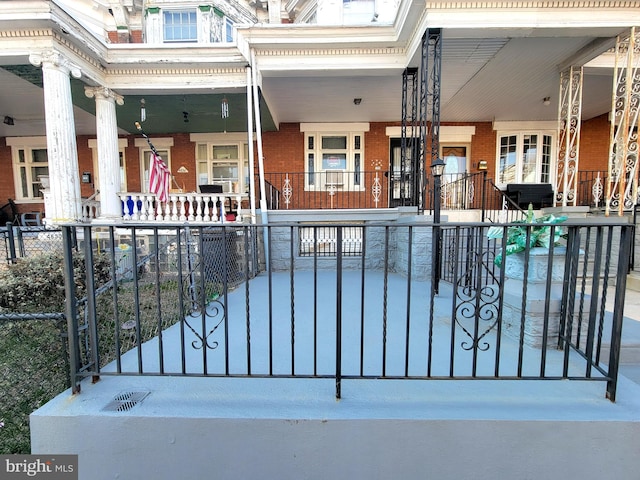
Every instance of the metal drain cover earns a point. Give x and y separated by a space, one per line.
123 402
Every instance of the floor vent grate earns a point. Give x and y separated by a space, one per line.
125 401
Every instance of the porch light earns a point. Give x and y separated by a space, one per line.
8 120
225 108
143 110
482 165
437 167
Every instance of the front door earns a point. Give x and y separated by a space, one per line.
456 190
403 187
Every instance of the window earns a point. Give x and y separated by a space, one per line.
180 26
122 143
201 24
29 163
225 165
322 241
524 158
146 162
334 160
356 12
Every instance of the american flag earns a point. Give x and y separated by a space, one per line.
159 178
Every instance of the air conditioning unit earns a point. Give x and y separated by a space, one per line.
334 178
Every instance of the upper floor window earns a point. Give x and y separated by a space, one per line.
202 24
524 157
180 26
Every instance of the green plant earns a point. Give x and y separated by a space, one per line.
537 229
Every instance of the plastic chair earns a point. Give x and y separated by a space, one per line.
31 219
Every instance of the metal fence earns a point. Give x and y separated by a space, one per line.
251 301
20 241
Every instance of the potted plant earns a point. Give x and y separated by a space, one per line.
538 304
539 236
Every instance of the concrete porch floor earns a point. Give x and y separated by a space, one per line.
231 428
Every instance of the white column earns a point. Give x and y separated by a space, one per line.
61 136
108 150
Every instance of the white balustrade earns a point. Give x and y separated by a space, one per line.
182 207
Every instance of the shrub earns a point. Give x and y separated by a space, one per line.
36 284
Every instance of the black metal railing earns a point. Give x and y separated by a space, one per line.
279 307
337 189
591 188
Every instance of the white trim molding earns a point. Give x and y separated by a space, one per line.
157 142
334 127
519 126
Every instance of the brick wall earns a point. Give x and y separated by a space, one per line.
284 152
125 36
594 143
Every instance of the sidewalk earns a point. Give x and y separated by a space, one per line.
630 353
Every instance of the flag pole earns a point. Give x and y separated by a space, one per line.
153 149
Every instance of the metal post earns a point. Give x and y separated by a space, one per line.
71 309
436 233
484 195
437 169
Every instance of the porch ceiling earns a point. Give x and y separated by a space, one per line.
485 76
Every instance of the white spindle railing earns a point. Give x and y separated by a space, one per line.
90 209
183 207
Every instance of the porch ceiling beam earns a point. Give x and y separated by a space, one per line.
588 53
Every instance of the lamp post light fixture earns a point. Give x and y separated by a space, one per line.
437 169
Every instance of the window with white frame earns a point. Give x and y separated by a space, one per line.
188 24
334 160
163 147
180 25
225 164
524 157
145 166
30 162
122 143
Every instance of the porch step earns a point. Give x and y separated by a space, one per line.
633 281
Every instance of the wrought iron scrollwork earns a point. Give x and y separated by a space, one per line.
201 294
214 310
477 300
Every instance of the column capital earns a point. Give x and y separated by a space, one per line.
103 93
55 60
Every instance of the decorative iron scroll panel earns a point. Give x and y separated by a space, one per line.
622 186
469 260
205 273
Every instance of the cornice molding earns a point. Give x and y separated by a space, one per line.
28 33
537 4
317 52
175 71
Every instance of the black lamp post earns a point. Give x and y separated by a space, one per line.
437 169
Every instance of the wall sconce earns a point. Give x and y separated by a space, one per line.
357 101
185 116
8 120
482 165
183 169
546 101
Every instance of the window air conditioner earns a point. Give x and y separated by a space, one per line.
334 178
